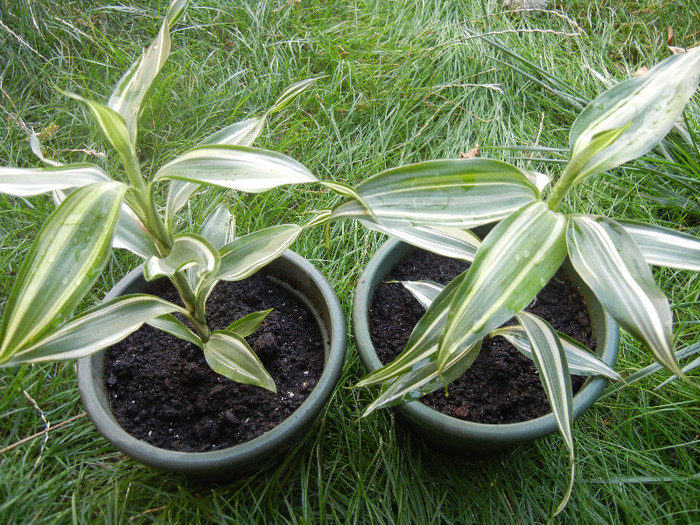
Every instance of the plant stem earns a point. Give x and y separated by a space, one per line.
562 187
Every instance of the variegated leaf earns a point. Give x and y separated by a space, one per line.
95 329
423 379
445 193
664 246
64 261
248 324
26 182
228 354
450 242
246 255
550 360
643 109
136 83
187 250
241 133
132 235
289 94
580 359
515 260
612 265
425 292
219 227
236 167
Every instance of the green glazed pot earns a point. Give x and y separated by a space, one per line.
220 466
456 436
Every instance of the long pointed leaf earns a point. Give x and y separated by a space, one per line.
550 360
610 262
95 329
446 193
246 255
645 107
236 167
173 326
64 261
515 260
425 292
664 246
580 359
132 235
248 324
26 182
228 354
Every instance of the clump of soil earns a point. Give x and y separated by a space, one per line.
502 385
162 391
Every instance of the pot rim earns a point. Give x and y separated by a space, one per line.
261 448
389 254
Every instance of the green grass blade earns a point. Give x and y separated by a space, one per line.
610 262
515 260
62 264
95 329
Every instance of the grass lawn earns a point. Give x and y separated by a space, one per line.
403 81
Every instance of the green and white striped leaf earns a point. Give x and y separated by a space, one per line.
246 255
444 193
38 150
608 260
62 264
113 127
423 379
26 182
219 227
289 94
236 167
664 246
580 359
136 83
96 329
241 133
423 342
248 324
450 242
425 292
187 250
550 360
643 109
229 354
132 235
179 192
173 326
515 260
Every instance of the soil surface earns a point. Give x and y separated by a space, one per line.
162 391
502 385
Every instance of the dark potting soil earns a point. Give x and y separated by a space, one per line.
162 391
502 385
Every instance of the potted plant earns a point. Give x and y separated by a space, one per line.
431 203
97 211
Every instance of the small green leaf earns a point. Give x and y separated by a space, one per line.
173 326
664 246
26 182
550 360
228 354
97 328
248 324
611 264
236 167
64 261
444 193
515 260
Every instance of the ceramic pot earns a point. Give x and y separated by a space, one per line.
452 435
304 281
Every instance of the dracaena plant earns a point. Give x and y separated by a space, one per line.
98 211
431 204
